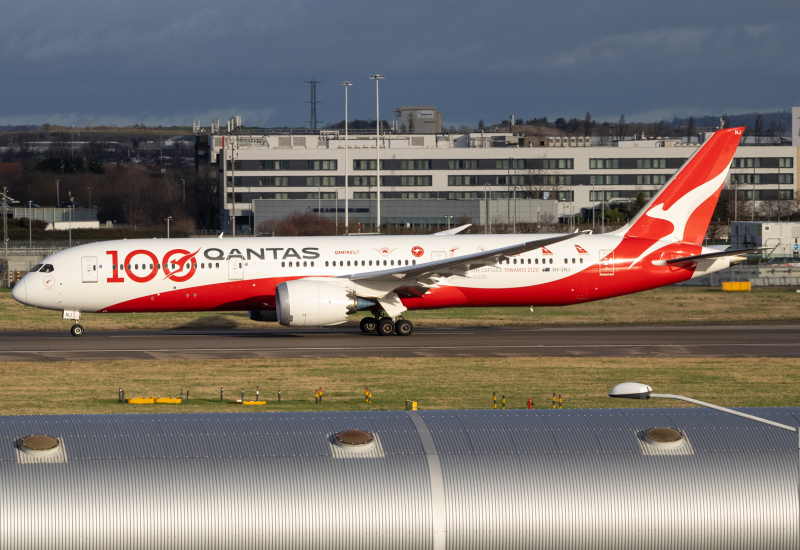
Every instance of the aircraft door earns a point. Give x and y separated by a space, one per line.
89 269
436 256
606 262
235 269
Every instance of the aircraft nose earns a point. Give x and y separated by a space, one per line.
19 293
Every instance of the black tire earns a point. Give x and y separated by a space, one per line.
385 327
369 325
76 331
404 327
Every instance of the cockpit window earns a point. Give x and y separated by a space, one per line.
47 268
36 268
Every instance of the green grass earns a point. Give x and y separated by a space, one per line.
663 305
436 383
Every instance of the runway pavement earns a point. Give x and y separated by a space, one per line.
765 340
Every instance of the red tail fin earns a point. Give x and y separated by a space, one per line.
682 209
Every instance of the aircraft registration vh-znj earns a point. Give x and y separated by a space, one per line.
320 281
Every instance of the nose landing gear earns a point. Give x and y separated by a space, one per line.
76 330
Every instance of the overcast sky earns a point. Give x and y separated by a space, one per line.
173 61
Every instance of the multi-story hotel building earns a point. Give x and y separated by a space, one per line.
436 179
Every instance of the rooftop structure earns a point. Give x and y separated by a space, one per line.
432 479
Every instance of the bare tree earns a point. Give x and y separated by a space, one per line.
758 127
587 124
690 129
621 128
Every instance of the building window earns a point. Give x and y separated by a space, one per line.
555 180
462 180
654 179
414 165
415 195
604 164
459 196
364 165
464 164
786 194
274 164
785 162
558 164
325 196
510 180
364 196
606 180
785 178
651 163
324 181
746 163
742 179
364 181
416 181
565 196
321 165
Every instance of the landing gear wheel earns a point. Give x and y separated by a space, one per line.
76 330
369 325
404 327
385 327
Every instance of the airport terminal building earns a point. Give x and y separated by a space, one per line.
434 179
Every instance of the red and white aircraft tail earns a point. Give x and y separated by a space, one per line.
319 281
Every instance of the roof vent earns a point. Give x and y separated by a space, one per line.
40 449
355 439
39 445
664 438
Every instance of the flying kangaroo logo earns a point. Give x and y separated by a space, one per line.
417 251
679 213
181 264
580 249
546 251
453 251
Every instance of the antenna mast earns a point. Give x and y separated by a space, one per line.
313 102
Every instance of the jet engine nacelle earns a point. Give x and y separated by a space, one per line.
311 303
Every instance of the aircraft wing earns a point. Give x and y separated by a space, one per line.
709 256
453 231
452 266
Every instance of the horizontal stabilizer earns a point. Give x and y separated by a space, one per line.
708 256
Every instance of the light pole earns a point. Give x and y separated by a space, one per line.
319 200
71 215
58 197
345 83
377 78
30 225
448 221
633 390
592 197
167 220
90 196
486 200
184 190
515 209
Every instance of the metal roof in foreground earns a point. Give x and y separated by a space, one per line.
429 480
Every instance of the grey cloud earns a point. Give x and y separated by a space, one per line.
166 60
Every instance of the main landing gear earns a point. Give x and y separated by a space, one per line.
76 330
385 326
